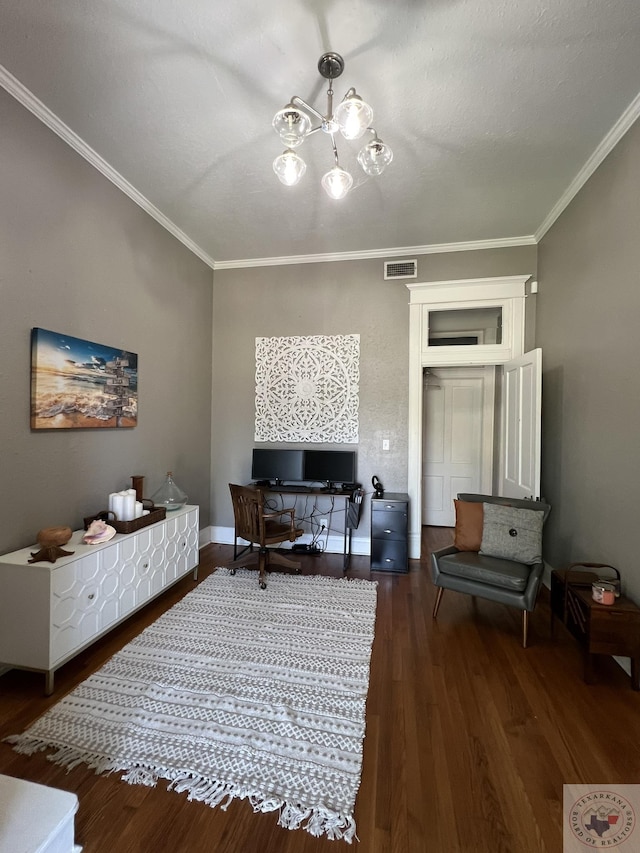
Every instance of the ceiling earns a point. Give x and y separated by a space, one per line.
496 110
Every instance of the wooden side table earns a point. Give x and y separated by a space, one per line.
601 629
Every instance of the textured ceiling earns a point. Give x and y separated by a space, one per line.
492 109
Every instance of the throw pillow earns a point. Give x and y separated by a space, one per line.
469 515
512 533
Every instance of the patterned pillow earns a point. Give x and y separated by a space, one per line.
512 533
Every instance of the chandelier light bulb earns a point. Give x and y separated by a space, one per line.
337 182
289 168
375 156
353 116
291 125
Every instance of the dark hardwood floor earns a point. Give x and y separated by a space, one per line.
469 736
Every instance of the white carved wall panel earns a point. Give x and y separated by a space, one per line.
307 389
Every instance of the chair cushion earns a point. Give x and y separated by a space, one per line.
512 533
489 570
276 531
469 518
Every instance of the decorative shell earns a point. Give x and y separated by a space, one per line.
98 531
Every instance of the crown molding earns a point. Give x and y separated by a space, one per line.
35 106
434 249
28 100
605 147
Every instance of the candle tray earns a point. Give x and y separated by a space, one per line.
156 513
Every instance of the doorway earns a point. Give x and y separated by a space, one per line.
506 293
458 438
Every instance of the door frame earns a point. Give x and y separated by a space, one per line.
507 292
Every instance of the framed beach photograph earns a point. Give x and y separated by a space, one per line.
79 384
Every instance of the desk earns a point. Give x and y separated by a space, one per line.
352 506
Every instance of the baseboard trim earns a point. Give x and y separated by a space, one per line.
360 545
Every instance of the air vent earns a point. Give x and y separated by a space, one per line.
400 269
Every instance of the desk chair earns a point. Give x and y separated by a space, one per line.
261 527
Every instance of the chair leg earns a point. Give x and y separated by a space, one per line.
245 560
438 600
262 564
525 628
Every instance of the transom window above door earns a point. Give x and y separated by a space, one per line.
465 327
469 321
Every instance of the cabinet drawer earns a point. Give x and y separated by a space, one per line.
389 555
181 546
388 506
614 632
85 600
389 525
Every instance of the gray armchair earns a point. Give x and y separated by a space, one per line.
503 580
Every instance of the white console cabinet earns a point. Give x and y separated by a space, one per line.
51 611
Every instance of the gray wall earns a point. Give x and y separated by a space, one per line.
311 299
348 297
588 325
78 257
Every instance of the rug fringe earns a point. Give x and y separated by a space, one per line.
207 791
319 821
331 824
64 756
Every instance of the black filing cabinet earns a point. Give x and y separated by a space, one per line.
389 532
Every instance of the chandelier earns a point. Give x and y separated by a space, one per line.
352 117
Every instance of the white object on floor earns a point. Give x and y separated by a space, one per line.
35 818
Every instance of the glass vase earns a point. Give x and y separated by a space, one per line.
169 495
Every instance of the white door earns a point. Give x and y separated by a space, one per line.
521 426
458 439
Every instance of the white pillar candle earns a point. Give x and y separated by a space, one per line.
118 506
111 497
138 509
129 506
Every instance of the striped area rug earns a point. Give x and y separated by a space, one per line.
235 692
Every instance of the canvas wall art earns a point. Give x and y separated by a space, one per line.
307 388
79 384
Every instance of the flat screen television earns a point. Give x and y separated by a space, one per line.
330 466
277 466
